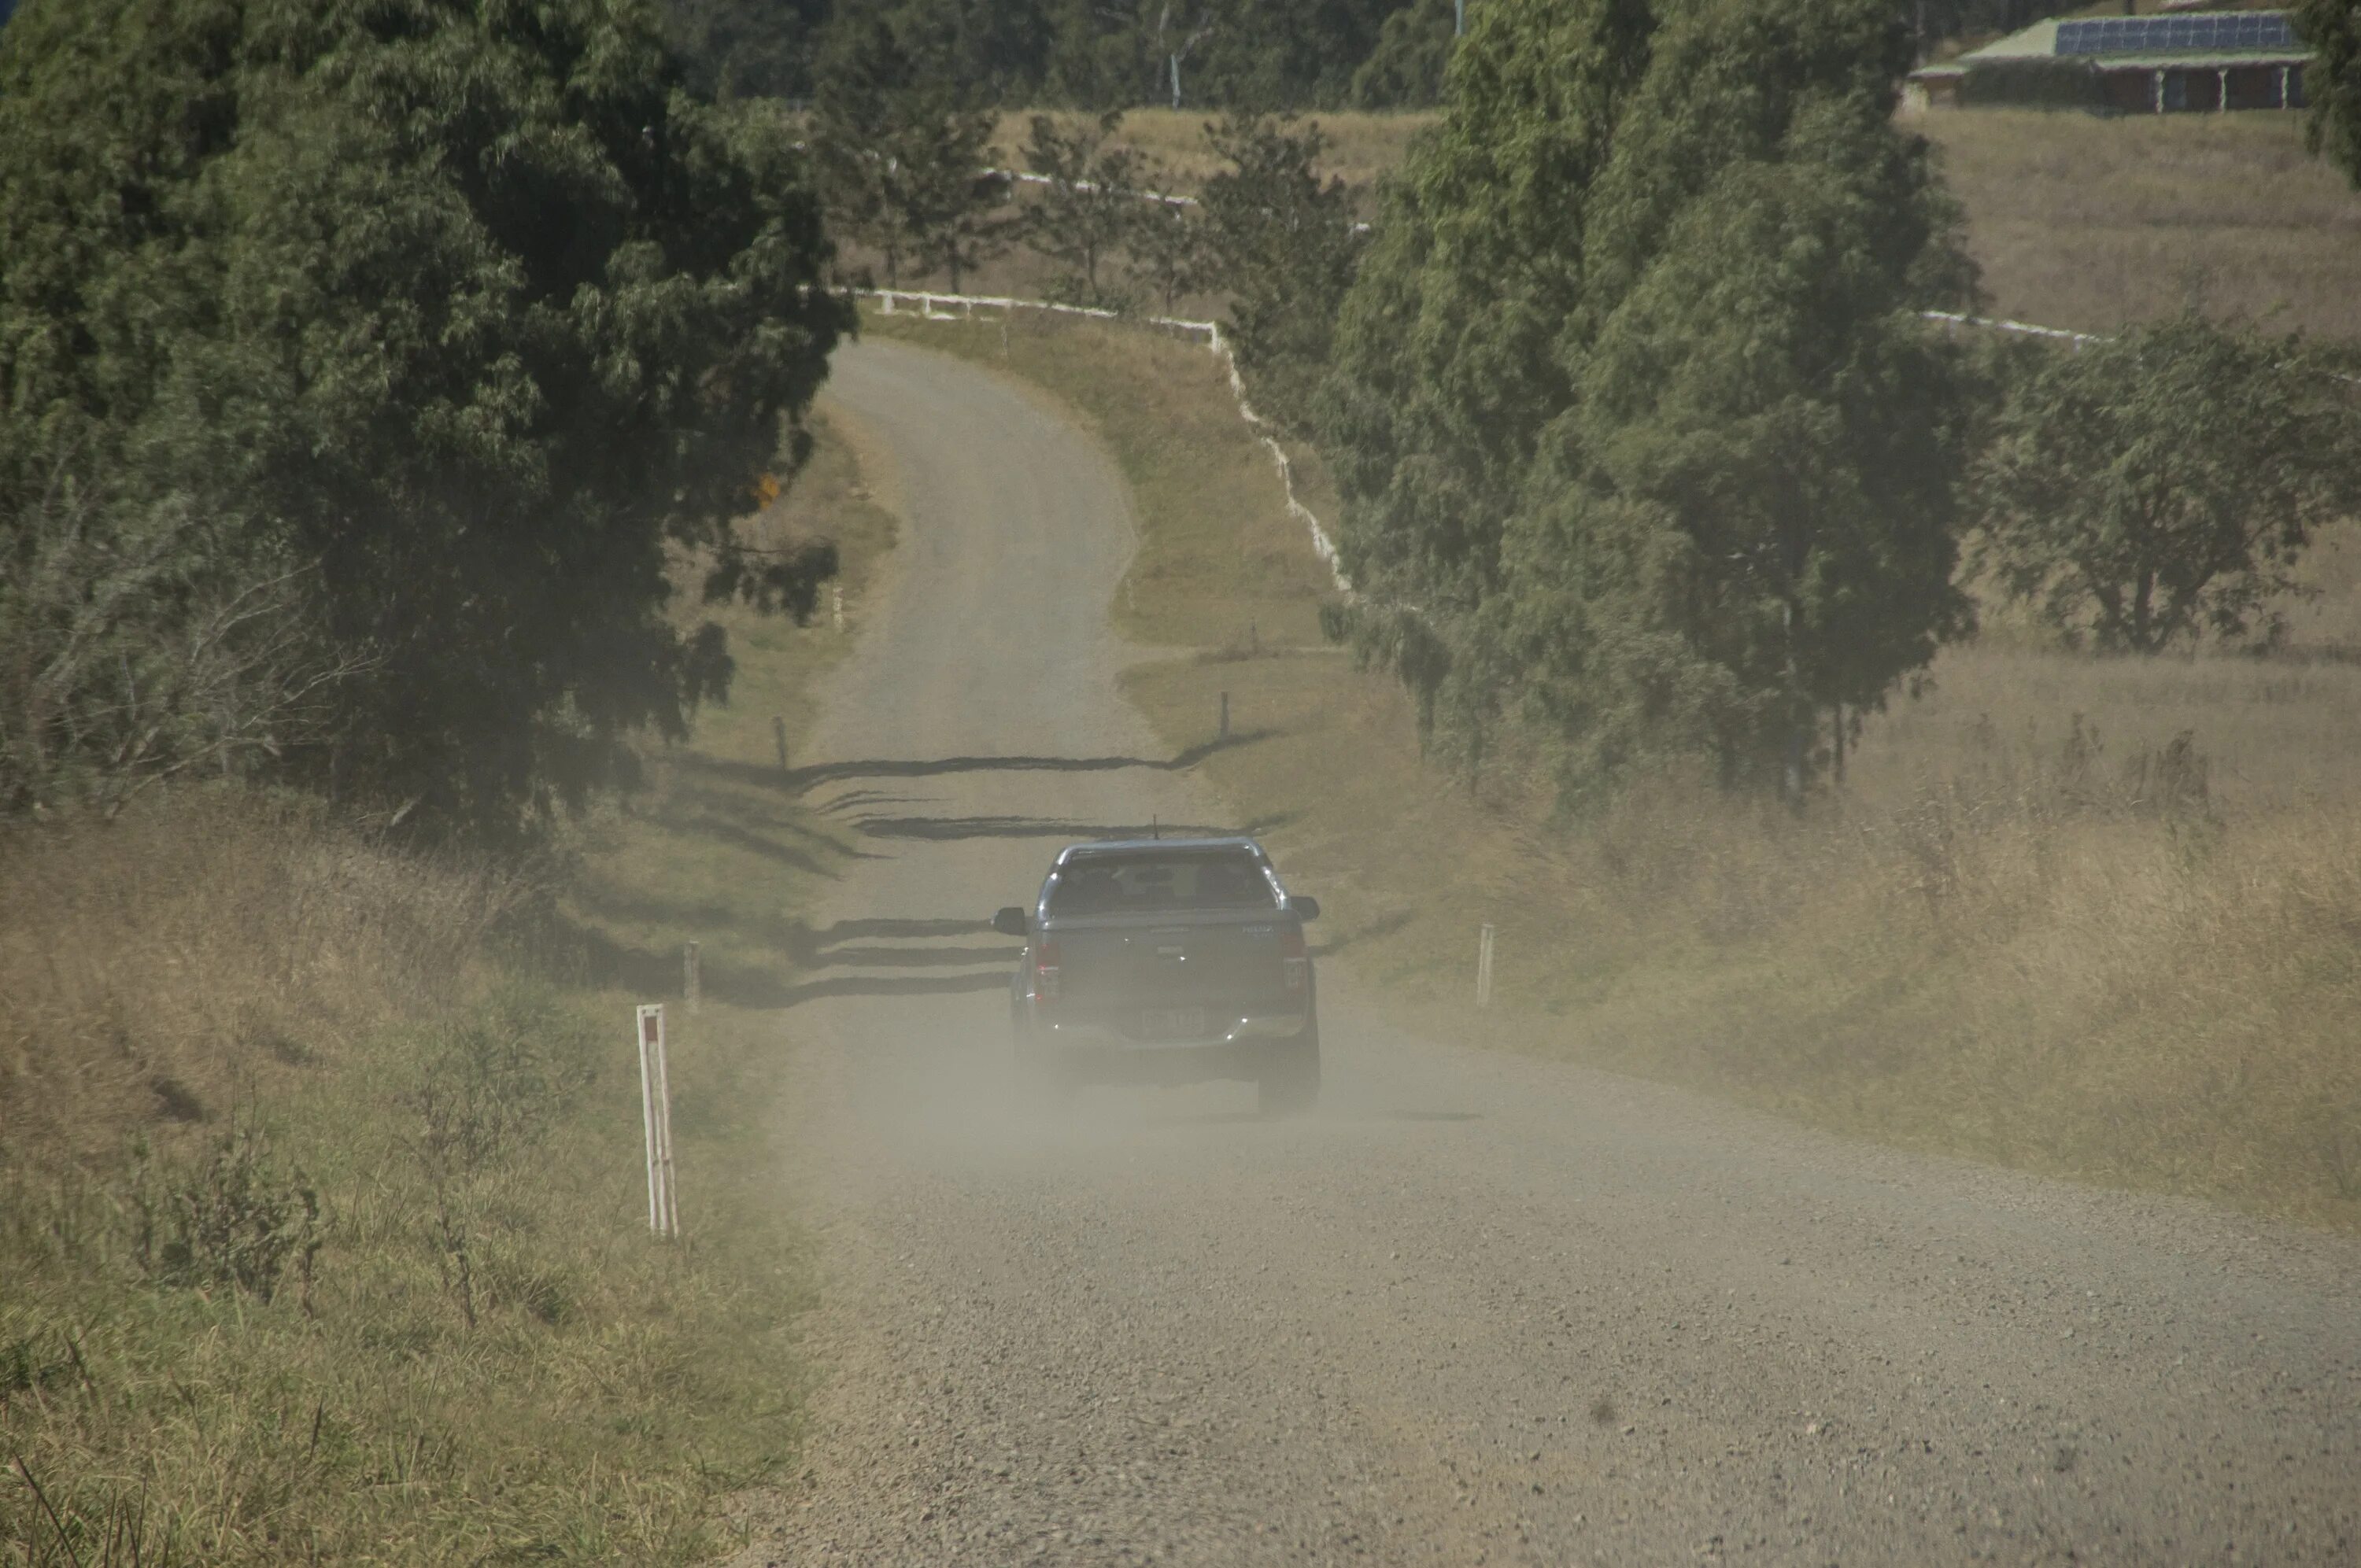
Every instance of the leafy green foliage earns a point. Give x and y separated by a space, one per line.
1640 438
231 1219
1231 54
1405 70
1167 250
747 48
1228 54
2158 485
899 151
469 316
2331 80
1283 245
1090 208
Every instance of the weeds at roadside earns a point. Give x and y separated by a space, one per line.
233 1220
320 1226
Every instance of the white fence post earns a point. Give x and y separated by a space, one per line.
1484 968
655 1118
664 1134
692 978
1321 544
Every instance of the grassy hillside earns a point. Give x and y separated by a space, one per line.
322 1215
2078 222
2087 222
1361 144
2094 916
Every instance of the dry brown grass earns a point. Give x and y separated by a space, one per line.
205 949
1361 144
2077 221
229 1007
2029 929
2090 223
2002 946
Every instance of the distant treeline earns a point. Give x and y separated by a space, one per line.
1193 54
1091 54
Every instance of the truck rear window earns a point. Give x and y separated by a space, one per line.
1150 881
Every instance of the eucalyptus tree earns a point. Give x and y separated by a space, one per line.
1282 243
468 318
1088 205
1639 437
2159 484
2331 80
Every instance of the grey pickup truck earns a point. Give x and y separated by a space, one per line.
1172 960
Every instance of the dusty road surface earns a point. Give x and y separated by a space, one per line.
1478 1308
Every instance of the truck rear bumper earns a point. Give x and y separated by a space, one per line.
1096 1052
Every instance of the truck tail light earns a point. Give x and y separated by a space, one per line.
1294 958
1045 971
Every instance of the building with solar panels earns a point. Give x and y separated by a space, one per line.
2202 60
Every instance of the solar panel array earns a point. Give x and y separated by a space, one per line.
2216 32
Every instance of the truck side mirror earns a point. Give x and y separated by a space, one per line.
1304 906
1011 922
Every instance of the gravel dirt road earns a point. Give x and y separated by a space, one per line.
1478 1309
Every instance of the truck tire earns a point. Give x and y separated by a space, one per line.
1289 1082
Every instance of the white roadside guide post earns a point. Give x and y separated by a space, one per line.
655 1114
1484 968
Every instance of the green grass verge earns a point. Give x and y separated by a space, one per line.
322 1223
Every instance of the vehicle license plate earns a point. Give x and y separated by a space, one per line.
1173 1022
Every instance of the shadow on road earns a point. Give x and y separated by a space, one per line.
803 778
892 985
917 958
949 829
804 946
844 930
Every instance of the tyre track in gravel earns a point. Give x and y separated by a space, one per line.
1478 1308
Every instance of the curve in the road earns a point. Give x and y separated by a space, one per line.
1479 1309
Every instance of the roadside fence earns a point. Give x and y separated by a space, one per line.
935 307
959 307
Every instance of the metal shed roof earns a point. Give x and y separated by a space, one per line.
2209 31
2218 37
